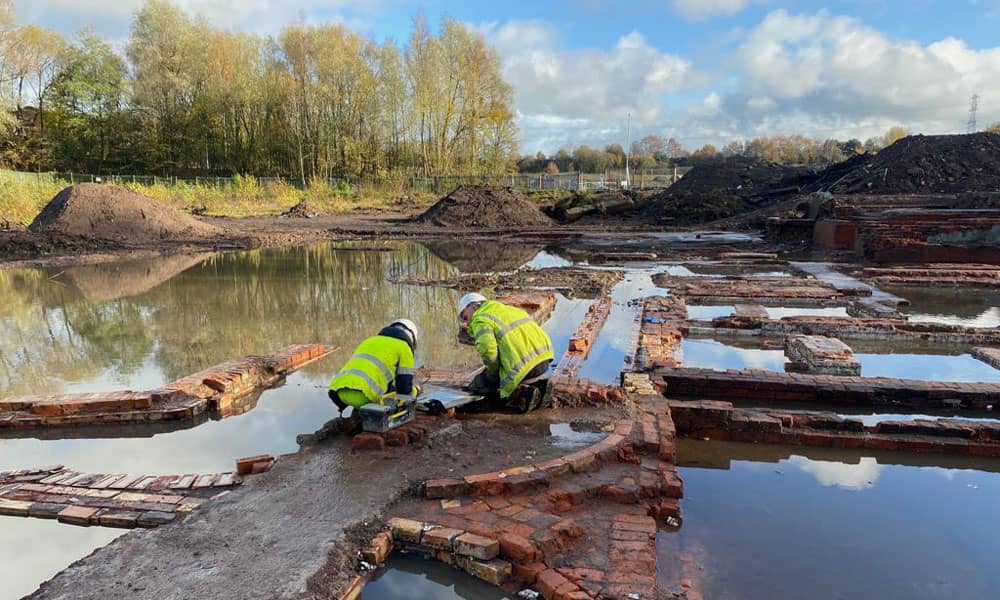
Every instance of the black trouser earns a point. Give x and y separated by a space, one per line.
340 404
487 384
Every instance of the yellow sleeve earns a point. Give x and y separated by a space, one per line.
486 345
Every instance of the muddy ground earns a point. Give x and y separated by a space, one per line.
292 532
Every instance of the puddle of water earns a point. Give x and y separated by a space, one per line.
968 307
137 326
545 259
876 418
828 273
300 406
712 354
563 323
841 526
565 436
410 577
607 356
931 367
707 313
791 311
34 550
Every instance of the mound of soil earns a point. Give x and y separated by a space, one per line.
104 212
481 206
302 210
726 188
924 164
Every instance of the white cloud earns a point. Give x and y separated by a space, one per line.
834 76
843 475
572 96
700 10
112 17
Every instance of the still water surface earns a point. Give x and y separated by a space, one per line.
139 324
771 522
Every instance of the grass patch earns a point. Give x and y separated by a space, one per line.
22 196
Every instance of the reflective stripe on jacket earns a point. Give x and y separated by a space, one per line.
378 362
510 343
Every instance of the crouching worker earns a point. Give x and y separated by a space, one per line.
380 364
515 351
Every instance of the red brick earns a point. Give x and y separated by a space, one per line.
379 549
246 466
441 538
517 548
477 546
548 582
486 484
446 488
78 515
368 441
528 573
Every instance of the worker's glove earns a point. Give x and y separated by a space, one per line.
416 391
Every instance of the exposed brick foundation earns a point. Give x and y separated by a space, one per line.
577 527
216 388
662 329
116 500
855 329
583 339
720 421
766 386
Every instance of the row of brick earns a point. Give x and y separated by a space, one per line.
767 386
217 388
403 435
661 331
756 288
577 527
115 500
721 421
865 329
584 338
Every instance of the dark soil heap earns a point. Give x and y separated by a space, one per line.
481 206
726 188
302 210
104 212
947 164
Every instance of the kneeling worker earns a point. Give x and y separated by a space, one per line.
513 347
380 364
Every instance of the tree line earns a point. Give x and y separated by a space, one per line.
653 151
185 98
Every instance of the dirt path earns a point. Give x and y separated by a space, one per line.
287 533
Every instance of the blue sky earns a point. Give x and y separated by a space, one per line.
704 71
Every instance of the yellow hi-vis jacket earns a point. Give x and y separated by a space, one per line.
510 343
378 362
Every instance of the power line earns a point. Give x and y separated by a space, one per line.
973 107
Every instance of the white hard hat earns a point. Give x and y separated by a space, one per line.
408 325
471 298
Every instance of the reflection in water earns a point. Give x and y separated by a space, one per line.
565 436
228 305
791 311
126 328
544 260
413 578
712 354
806 528
970 307
483 256
29 556
932 367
